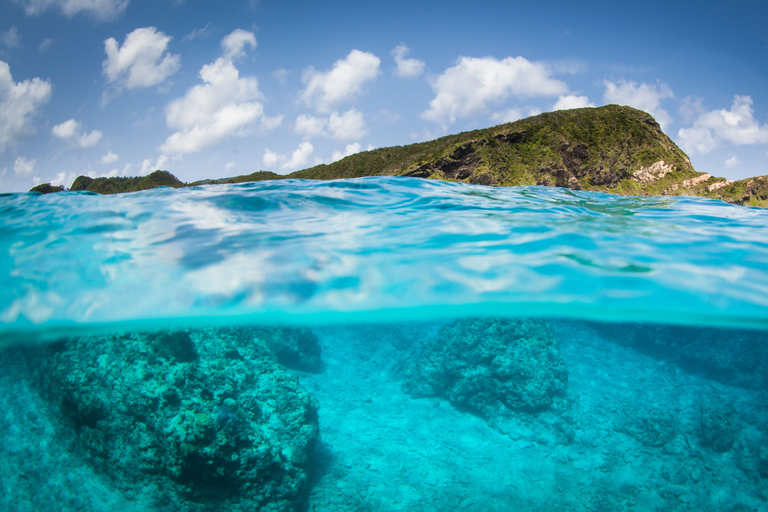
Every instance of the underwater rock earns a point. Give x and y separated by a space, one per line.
490 366
737 357
717 428
653 428
295 347
208 416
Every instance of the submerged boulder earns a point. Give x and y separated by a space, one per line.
490 366
208 417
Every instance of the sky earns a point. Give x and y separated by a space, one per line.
214 89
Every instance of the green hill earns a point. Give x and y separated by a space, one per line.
612 149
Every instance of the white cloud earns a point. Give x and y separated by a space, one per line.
270 158
569 101
108 158
406 67
11 38
147 167
72 132
229 166
342 83
24 167
347 126
198 32
224 105
142 61
732 162
644 97
45 45
19 103
101 10
467 88
270 123
64 179
736 126
235 42
298 159
310 126
351 149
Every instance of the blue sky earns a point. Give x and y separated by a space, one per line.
214 89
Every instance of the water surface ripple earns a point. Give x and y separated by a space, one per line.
375 249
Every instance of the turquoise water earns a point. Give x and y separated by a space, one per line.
382 344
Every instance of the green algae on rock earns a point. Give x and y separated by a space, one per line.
490 366
208 416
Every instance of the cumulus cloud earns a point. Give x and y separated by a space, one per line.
406 67
467 88
108 158
325 90
233 44
143 59
64 179
350 149
224 105
11 38
736 126
298 159
270 158
24 167
72 132
732 162
347 126
100 10
19 103
310 126
147 167
643 97
569 101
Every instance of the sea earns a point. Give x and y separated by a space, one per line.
382 344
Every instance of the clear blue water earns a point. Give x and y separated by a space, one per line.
651 395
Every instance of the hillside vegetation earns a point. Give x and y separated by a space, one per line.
613 149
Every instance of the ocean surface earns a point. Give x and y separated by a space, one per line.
382 344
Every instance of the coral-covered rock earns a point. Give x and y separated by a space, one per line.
490 366
208 415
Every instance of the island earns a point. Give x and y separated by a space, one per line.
614 149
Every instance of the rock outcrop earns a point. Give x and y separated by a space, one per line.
208 416
490 366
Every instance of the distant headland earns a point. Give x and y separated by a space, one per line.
613 149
